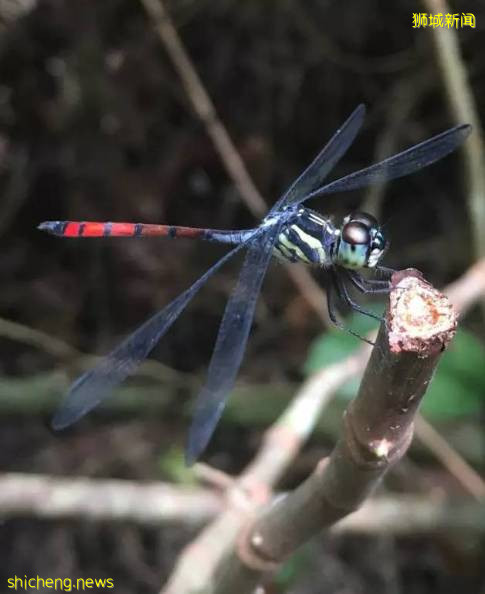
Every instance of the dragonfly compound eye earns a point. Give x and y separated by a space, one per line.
356 233
361 243
353 245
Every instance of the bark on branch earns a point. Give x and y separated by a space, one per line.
377 430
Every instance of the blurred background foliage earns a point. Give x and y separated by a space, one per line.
94 125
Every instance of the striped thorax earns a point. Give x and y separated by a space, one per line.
307 237
312 239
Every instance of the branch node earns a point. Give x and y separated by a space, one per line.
250 549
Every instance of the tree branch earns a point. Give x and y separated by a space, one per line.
421 321
376 433
252 489
154 504
94 499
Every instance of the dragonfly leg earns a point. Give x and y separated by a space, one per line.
386 270
345 296
333 289
366 286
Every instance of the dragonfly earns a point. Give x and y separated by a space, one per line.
290 231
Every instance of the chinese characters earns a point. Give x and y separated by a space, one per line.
449 21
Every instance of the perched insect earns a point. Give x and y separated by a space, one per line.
291 232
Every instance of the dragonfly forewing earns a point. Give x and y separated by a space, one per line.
412 159
314 175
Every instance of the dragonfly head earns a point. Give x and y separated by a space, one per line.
361 242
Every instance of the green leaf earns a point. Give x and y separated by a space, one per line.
172 466
336 344
458 388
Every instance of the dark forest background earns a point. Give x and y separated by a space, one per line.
95 125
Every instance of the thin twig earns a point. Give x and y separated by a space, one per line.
36 338
157 504
203 106
412 515
450 459
62 350
231 159
94 499
463 105
469 288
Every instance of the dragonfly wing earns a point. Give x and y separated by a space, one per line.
412 159
95 385
230 344
325 161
